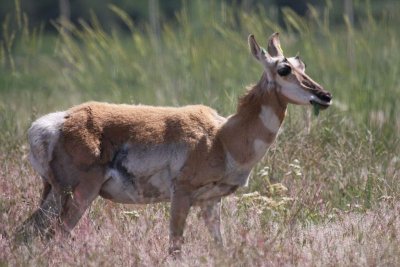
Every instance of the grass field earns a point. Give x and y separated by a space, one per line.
326 194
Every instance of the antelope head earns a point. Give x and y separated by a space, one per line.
287 75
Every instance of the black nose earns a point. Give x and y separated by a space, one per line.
324 96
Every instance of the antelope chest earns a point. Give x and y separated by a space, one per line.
229 183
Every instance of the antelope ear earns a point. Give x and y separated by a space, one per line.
255 49
274 45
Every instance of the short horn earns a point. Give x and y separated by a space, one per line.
274 45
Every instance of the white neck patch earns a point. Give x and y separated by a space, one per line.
269 119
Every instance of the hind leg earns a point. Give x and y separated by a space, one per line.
68 207
41 221
80 197
79 186
45 192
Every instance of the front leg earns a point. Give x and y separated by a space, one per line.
180 206
211 213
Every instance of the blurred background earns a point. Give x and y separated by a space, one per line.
42 12
55 54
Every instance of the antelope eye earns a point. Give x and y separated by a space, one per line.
285 70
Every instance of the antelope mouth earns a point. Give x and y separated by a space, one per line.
322 104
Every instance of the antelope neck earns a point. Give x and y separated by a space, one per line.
248 134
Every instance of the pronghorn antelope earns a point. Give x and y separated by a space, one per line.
143 154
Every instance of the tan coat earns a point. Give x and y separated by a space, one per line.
144 154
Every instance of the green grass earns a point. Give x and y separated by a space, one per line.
346 161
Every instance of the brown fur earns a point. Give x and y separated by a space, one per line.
92 131
245 126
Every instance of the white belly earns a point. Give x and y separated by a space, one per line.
143 174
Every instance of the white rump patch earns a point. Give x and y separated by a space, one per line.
43 136
269 119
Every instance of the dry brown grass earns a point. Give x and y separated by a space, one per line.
257 232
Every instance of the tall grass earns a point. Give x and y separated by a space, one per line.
201 59
318 171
